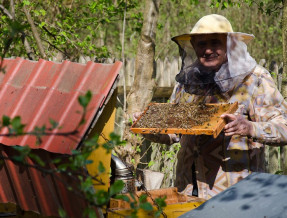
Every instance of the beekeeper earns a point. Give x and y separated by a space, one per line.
225 72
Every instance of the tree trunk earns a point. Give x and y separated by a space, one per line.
284 86
35 32
143 87
284 42
144 83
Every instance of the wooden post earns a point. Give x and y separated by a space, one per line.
273 69
273 159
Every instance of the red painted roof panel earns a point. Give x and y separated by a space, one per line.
39 91
43 90
34 190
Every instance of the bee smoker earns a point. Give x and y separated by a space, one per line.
122 171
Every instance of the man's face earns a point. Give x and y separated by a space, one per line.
210 50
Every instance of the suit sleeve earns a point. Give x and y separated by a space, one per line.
269 112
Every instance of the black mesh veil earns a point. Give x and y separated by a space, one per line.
201 81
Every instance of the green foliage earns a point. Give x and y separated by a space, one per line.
71 27
178 17
161 204
17 126
142 203
115 140
74 166
23 151
163 159
14 125
279 172
264 6
94 28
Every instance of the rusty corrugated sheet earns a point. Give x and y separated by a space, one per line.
43 90
39 91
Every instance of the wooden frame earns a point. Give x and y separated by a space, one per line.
212 127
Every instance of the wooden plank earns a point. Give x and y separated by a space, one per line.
160 92
171 211
171 194
212 127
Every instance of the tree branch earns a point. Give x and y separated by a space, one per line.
11 16
35 32
5 11
12 8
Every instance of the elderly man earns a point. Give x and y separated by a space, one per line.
224 72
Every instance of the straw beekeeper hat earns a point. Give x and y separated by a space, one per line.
211 24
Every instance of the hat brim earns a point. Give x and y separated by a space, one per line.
187 37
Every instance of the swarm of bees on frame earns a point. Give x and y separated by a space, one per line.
181 116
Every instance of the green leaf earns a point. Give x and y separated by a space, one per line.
157 213
150 163
56 160
17 125
5 120
87 184
90 162
59 24
84 100
146 206
122 197
63 33
101 197
62 213
116 187
279 172
53 123
92 141
43 12
76 152
37 159
143 198
23 151
133 196
90 212
42 24
101 167
161 201
26 2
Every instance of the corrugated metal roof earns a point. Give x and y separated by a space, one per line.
39 91
37 191
43 90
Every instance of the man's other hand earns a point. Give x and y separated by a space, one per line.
136 115
237 125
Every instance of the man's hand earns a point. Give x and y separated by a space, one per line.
136 115
237 125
